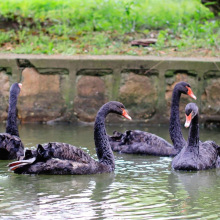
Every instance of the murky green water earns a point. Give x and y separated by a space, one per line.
142 187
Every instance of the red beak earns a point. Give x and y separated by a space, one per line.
125 114
190 93
188 120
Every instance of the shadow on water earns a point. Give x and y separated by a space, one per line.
25 196
18 194
195 190
80 196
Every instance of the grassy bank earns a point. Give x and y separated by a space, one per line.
181 27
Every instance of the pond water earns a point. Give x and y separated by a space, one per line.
142 187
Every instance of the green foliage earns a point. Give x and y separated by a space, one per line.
105 26
99 15
6 36
195 35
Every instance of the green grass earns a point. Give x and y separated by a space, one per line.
107 26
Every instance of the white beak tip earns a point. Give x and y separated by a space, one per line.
187 124
129 118
194 97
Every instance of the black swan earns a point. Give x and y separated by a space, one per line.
196 155
11 146
140 142
61 158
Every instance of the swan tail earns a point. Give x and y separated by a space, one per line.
17 164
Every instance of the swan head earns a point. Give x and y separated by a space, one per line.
185 88
15 88
118 108
191 111
42 154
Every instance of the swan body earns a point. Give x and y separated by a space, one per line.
62 158
11 146
196 155
140 142
58 158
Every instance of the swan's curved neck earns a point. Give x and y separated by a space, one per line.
193 139
103 148
175 126
11 126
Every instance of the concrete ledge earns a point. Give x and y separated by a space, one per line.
74 87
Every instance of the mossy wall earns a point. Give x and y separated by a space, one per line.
74 88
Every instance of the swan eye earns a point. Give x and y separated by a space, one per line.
190 92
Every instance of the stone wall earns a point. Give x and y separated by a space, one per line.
72 89
4 94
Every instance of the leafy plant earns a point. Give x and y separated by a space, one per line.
105 26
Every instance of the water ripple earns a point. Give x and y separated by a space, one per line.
142 187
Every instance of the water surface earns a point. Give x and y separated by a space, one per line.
142 187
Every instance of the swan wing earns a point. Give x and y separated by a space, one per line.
65 151
11 147
140 142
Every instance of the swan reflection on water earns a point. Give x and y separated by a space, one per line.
75 194
142 187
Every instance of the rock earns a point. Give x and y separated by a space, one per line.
139 94
67 118
210 97
4 95
90 97
144 42
40 98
